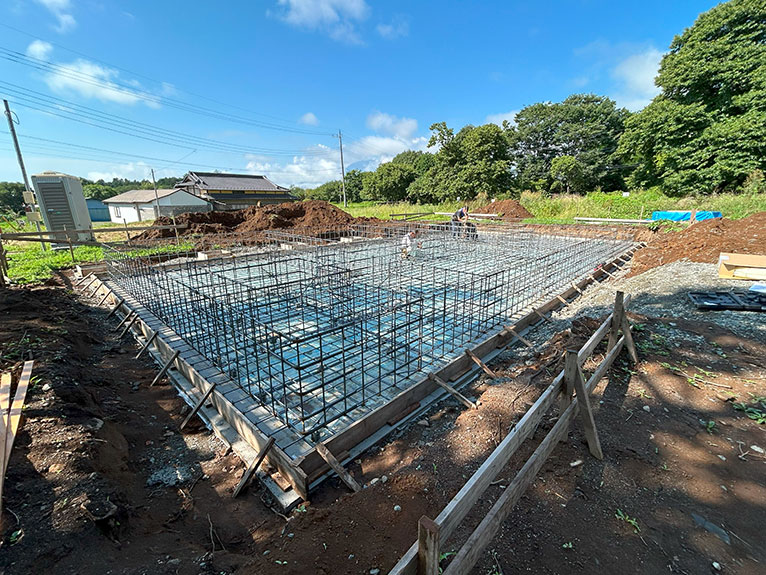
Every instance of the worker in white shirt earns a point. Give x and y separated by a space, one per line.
407 244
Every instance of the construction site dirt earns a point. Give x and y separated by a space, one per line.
681 460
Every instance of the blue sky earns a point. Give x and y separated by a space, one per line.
109 88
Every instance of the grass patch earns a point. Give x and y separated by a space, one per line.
30 264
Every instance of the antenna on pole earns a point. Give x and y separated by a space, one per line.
21 163
342 170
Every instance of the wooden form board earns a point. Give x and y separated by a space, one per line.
10 417
742 266
457 509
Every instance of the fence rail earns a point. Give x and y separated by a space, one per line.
423 556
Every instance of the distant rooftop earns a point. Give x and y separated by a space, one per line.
139 196
234 182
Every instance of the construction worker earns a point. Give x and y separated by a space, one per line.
407 248
459 218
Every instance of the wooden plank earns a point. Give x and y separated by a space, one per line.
116 307
253 467
572 372
459 396
165 368
629 343
58 234
5 397
14 415
481 364
742 266
129 316
428 547
127 327
466 558
337 467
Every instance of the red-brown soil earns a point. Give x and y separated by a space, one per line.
703 242
97 432
508 209
310 214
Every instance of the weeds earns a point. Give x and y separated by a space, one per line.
622 516
755 409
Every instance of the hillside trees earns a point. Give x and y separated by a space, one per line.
585 127
706 131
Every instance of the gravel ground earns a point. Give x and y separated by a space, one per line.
662 293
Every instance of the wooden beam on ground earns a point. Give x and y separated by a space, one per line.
619 310
459 396
198 405
165 368
337 467
573 374
14 415
253 467
5 399
481 364
428 547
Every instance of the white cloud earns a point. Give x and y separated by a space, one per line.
130 171
398 28
498 118
318 165
91 80
336 18
309 119
39 49
635 76
401 128
61 10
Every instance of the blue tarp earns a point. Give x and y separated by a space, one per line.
682 216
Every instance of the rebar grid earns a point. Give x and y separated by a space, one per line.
322 333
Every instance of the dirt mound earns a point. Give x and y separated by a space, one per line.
703 242
308 214
509 209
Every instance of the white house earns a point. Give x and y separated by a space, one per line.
140 205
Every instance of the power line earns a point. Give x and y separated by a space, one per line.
90 57
140 94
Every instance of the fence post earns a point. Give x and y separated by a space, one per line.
614 329
574 378
428 547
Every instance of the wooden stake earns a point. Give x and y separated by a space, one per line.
619 310
165 368
480 363
127 317
198 405
147 344
128 326
116 307
542 316
574 378
520 338
82 279
462 398
253 467
629 338
103 299
428 547
337 467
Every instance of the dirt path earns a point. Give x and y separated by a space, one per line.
95 435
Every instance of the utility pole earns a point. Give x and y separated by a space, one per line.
20 159
156 198
342 170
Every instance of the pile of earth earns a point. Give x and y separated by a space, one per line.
315 214
703 242
508 210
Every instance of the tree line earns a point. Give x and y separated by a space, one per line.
704 133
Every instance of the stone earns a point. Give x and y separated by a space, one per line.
374 571
647 409
397 508
716 565
383 478
757 449
169 477
47 387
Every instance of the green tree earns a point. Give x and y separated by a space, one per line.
568 172
98 191
475 160
329 192
355 184
706 131
390 182
11 197
585 126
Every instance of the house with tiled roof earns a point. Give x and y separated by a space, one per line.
234 191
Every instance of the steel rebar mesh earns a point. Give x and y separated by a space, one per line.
341 321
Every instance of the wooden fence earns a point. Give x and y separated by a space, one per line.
423 556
